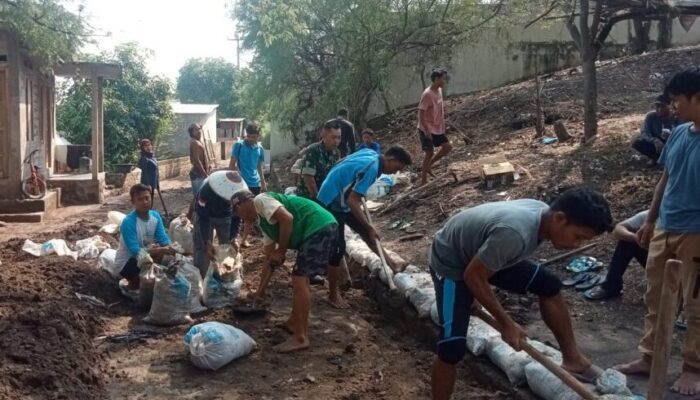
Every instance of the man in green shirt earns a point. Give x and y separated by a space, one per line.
318 159
291 222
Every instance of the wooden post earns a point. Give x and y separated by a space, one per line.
665 317
95 145
101 123
539 123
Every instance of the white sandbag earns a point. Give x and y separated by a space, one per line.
147 281
434 314
222 284
180 231
212 344
621 397
422 300
171 294
381 187
290 190
612 382
546 385
479 334
53 246
106 262
91 247
114 219
404 283
511 362
194 298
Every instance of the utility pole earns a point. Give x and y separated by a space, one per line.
236 38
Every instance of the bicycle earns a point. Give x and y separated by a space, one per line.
34 187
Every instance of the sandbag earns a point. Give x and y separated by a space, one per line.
194 298
612 382
479 334
511 362
53 246
114 219
106 262
147 281
411 278
212 345
91 247
404 283
171 294
546 385
434 316
180 231
223 281
422 300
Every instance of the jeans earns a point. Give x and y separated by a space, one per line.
226 230
624 253
646 147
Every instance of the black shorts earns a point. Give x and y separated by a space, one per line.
345 219
131 269
314 252
254 190
454 301
430 142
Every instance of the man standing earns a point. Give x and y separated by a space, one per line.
347 131
657 126
247 157
342 192
431 123
318 160
489 245
199 161
672 230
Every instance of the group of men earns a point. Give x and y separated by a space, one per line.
477 248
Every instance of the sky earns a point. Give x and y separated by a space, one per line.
174 30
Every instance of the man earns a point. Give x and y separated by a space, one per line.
431 122
291 222
489 245
318 159
347 131
149 167
627 248
213 212
342 193
368 141
247 157
672 230
657 126
199 161
140 229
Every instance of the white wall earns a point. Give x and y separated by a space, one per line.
177 142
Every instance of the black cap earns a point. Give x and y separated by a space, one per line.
663 99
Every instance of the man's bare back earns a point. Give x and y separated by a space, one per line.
198 158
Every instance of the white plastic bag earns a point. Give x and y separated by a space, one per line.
222 284
212 344
91 247
53 246
381 187
192 274
106 262
511 362
422 300
114 219
180 231
479 334
171 294
546 385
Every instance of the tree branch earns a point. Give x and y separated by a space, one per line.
551 8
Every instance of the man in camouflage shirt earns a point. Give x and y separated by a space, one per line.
318 159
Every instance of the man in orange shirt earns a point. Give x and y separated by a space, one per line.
431 123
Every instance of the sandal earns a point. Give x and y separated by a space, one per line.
589 375
595 280
577 278
599 293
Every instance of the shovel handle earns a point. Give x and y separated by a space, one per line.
380 249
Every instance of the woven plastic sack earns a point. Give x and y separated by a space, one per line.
479 334
171 294
180 231
212 344
612 382
546 385
147 281
222 283
106 262
422 300
91 247
192 274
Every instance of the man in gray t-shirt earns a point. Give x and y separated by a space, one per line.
627 248
489 245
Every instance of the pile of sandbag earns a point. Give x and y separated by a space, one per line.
180 231
223 281
212 345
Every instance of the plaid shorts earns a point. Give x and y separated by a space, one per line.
314 252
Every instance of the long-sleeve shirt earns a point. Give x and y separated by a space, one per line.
137 234
654 124
149 171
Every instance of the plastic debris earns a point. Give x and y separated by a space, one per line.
53 246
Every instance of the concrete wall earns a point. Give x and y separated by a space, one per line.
177 143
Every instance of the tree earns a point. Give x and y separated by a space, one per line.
135 107
45 28
209 80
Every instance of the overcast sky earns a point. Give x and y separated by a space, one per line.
174 29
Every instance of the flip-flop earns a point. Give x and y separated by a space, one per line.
595 280
590 375
598 293
577 278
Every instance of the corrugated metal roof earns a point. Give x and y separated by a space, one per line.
180 108
231 119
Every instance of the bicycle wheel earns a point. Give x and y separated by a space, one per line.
34 188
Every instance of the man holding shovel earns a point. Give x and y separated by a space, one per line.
489 245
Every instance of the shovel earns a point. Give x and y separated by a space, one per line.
380 249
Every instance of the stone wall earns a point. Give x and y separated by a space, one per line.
75 192
174 167
123 182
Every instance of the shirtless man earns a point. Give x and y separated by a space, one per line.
200 163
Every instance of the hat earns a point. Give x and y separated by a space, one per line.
226 183
663 99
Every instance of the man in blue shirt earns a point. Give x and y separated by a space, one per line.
247 157
342 192
368 141
672 231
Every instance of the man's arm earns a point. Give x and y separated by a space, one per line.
161 235
422 123
196 159
623 233
285 221
310 184
647 230
233 163
263 183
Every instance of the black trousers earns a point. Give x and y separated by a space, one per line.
646 147
624 253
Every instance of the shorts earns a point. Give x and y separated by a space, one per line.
454 300
345 219
254 190
428 143
131 269
314 252
197 183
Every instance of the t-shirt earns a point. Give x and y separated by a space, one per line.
248 158
372 146
434 114
317 161
347 137
136 234
680 206
357 172
309 217
635 222
501 234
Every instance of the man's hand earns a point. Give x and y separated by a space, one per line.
278 256
644 235
514 335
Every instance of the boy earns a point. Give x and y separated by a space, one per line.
140 229
627 248
368 141
489 245
431 122
342 193
291 222
655 130
318 159
247 157
672 230
199 161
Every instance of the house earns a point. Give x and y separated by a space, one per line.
27 127
228 131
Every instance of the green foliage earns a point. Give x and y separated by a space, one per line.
45 28
211 81
135 107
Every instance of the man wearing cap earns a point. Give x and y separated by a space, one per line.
657 127
212 211
291 222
